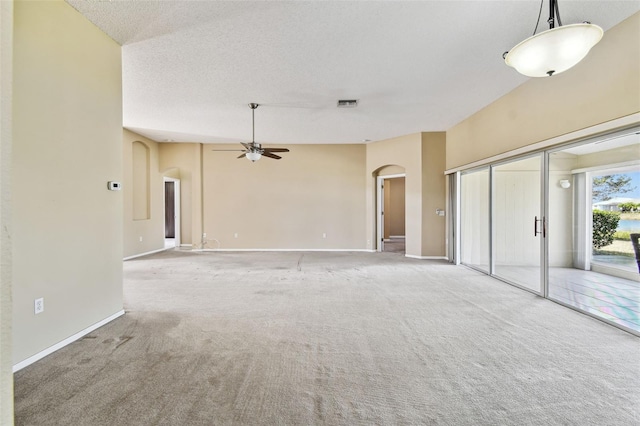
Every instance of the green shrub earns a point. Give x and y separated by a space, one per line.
628 207
604 226
622 235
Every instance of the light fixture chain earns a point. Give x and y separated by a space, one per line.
552 14
538 20
557 13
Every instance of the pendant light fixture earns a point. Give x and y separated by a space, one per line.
555 50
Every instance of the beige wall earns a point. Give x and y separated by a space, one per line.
150 230
67 133
6 356
288 203
433 193
422 157
602 88
183 161
391 170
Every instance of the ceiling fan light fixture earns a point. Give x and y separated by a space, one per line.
253 156
555 50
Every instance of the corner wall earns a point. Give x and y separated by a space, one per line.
67 144
603 87
422 157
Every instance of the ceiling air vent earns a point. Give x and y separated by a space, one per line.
347 103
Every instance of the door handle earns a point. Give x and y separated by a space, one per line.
543 221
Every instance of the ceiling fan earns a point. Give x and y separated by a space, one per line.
254 151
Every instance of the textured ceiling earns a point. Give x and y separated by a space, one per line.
191 67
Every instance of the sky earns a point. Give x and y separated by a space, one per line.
634 182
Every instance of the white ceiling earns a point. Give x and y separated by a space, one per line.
605 144
191 67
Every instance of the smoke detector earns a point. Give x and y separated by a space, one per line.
347 103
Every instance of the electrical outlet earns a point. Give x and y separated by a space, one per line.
235 235
38 305
204 235
140 239
324 235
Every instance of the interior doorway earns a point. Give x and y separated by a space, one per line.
171 212
391 233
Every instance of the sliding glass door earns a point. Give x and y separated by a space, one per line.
518 222
561 224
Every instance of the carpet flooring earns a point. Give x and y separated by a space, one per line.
332 339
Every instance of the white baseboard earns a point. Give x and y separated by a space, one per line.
148 253
616 272
397 237
186 245
51 349
293 250
426 257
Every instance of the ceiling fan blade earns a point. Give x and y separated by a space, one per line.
242 155
228 150
270 155
246 145
276 149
